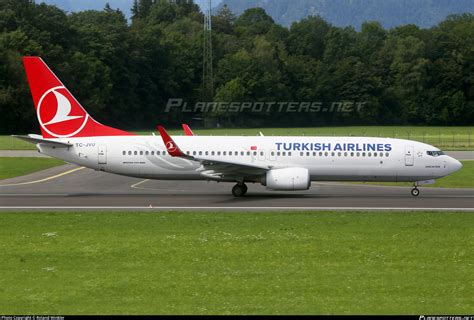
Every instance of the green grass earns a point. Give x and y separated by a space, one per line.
237 263
448 138
11 143
18 166
463 178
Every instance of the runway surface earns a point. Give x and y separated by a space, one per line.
71 187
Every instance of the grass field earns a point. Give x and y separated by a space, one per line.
448 138
18 166
237 263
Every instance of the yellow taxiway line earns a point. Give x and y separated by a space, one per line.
43 180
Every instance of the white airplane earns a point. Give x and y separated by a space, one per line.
279 163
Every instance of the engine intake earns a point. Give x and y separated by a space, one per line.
288 179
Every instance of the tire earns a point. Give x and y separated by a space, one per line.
238 190
415 192
245 189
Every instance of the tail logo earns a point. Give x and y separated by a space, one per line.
60 114
170 146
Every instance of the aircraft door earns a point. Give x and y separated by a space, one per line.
102 154
409 156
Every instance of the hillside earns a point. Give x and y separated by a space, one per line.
424 13
123 5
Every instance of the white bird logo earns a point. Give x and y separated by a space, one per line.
63 110
170 146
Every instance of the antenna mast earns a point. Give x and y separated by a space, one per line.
208 81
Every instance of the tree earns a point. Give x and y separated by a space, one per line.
307 37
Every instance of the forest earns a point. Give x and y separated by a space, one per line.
124 72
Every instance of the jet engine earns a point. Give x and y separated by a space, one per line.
287 179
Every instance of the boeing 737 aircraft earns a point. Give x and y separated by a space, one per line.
279 163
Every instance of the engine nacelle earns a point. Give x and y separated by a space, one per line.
288 179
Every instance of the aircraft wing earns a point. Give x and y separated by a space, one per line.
213 168
33 138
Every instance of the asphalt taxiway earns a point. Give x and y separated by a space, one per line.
71 187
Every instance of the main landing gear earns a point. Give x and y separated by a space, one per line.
415 192
239 190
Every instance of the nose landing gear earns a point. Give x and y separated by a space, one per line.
414 191
239 190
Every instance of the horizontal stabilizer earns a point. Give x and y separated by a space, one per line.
33 138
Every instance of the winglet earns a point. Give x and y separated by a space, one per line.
187 130
170 145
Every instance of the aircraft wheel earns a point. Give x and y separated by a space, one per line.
245 189
415 192
239 190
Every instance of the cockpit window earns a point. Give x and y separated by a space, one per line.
435 153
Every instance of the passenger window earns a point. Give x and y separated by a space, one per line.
130 153
242 153
124 153
213 153
345 154
255 153
326 153
386 154
314 154
332 154
135 153
320 154
218 153
272 153
301 154
200 153
352 154
248 153
369 154
289 154
146 153
224 153
358 154
283 153
307 154
207 153
338 154
278 153
363 154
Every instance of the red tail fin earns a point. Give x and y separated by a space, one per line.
60 115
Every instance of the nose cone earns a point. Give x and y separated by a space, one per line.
454 165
